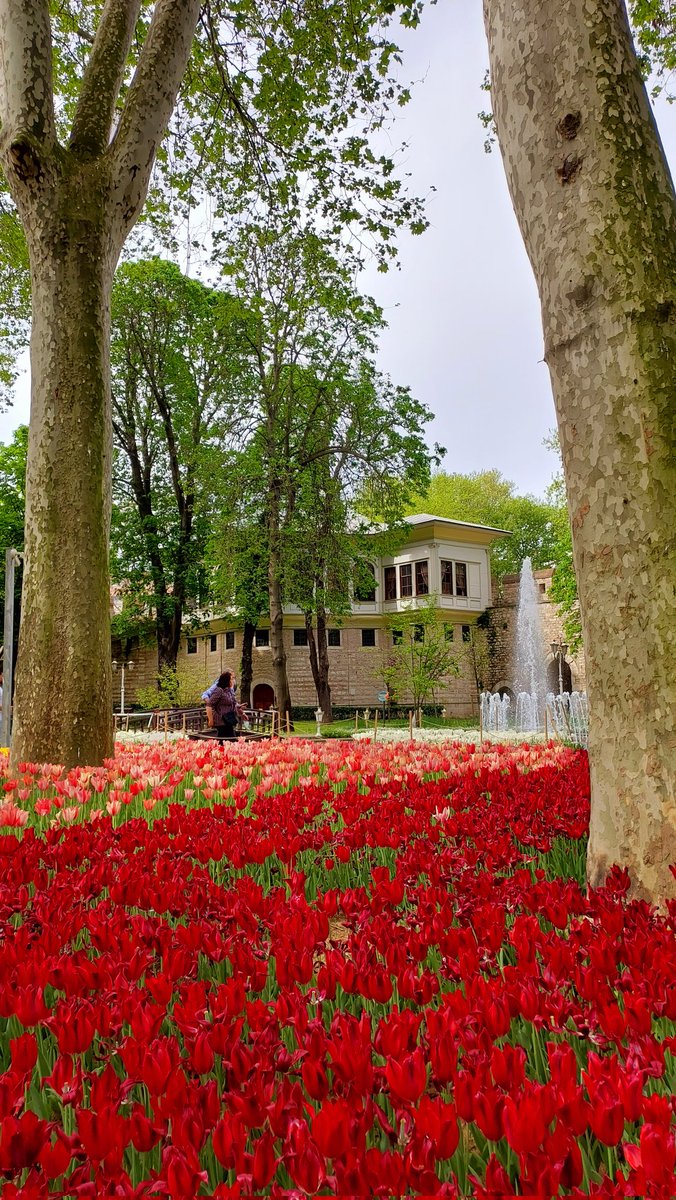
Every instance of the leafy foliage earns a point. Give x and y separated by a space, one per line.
175 689
322 418
277 107
486 498
277 111
564 582
563 590
323 424
654 25
14 296
179 381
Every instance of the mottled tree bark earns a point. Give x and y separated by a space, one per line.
596 207
77 205
64 677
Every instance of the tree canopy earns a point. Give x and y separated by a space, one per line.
487 498
324 422
180 393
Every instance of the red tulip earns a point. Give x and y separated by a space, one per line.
144 1135
437 1121
488 1106
182 1173
264 1162
24 1053
655 1154
302 1158
407 1078
607 1114
99 1135
315 1079
54 1159
331 1128
228 1142
21 1140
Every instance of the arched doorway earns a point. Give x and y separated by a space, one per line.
553 677
263 696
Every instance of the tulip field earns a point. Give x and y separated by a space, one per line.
304 968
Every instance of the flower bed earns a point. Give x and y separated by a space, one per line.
301 968
433 736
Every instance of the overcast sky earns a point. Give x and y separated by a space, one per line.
464 320
464 315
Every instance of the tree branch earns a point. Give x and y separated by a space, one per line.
26 93
150 103
92 124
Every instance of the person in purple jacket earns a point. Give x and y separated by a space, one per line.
223 702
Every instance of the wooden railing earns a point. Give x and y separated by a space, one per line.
188 720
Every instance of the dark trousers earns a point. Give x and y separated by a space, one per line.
226 730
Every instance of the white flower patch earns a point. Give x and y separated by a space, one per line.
464 736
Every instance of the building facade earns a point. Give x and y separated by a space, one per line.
443 562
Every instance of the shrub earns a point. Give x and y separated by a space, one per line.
175 689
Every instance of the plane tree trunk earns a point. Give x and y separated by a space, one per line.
77 205
595 203
63 695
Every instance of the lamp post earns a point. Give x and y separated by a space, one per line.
12 561
122 667
560 650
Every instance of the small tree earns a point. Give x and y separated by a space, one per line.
174 689
324 421
179 381
421 657
477 656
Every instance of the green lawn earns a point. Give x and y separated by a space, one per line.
346 727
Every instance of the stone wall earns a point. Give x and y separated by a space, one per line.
142 674
500 621
355 671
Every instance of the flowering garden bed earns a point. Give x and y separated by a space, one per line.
318 969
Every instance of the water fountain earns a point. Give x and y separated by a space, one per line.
495 712
567 713
530 680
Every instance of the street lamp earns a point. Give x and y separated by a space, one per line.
560 650
122 667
